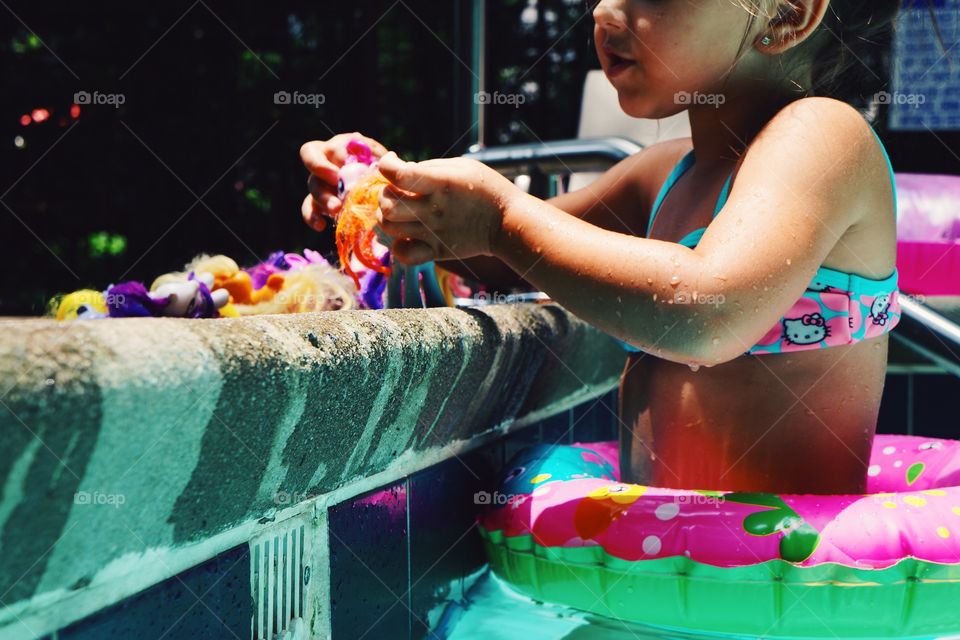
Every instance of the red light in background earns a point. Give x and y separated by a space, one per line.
75 111
39 115
25 119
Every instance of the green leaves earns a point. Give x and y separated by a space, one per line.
102 243
799 540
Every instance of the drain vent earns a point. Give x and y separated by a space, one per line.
279 577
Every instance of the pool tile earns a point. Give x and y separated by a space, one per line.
893 417
935 406
211 600
369 577
444 544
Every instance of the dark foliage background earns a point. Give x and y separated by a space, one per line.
198 158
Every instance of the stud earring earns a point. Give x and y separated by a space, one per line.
766 41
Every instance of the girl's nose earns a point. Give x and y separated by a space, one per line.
609 14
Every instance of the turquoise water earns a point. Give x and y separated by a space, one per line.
483 606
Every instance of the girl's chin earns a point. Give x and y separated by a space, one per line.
637 107
642 107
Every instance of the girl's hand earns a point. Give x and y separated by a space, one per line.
323 158
442 209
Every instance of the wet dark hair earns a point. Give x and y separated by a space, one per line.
851 50
849 54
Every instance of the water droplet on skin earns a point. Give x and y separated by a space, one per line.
789 261
654 297
719 277
674 281
756 309
619 299
538 250
715 340
649 280
694 368
470 186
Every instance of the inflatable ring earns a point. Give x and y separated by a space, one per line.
562 528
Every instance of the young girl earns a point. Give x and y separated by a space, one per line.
752 265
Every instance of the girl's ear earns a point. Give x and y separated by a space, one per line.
794 22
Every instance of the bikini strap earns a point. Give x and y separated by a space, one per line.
893 177
685 163
724 194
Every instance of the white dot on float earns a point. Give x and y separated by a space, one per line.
667 510
898 464
651 545
889 450
873 470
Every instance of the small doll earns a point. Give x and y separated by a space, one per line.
359 188
190 298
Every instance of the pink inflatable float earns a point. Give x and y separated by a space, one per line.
562 528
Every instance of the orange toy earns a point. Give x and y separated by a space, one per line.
359 189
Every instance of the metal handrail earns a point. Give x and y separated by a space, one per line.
557 156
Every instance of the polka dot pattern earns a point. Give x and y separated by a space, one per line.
652 545
667 511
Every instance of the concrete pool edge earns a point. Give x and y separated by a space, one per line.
124 437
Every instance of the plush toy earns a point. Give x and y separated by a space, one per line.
190 298
85 304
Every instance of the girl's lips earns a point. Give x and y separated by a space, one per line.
618 65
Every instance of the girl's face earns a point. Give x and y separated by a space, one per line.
662 56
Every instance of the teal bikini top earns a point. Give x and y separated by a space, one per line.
837 308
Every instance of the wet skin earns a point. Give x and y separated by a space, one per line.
790 423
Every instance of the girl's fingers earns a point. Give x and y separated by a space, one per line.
410 176
396 206
312 214
317 158
325 196
409 251
413 230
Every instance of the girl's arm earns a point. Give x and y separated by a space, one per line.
799 188
617 201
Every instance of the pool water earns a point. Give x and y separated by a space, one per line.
486 607
483 606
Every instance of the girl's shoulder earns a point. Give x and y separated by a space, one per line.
658 161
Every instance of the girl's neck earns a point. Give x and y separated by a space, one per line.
722 133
